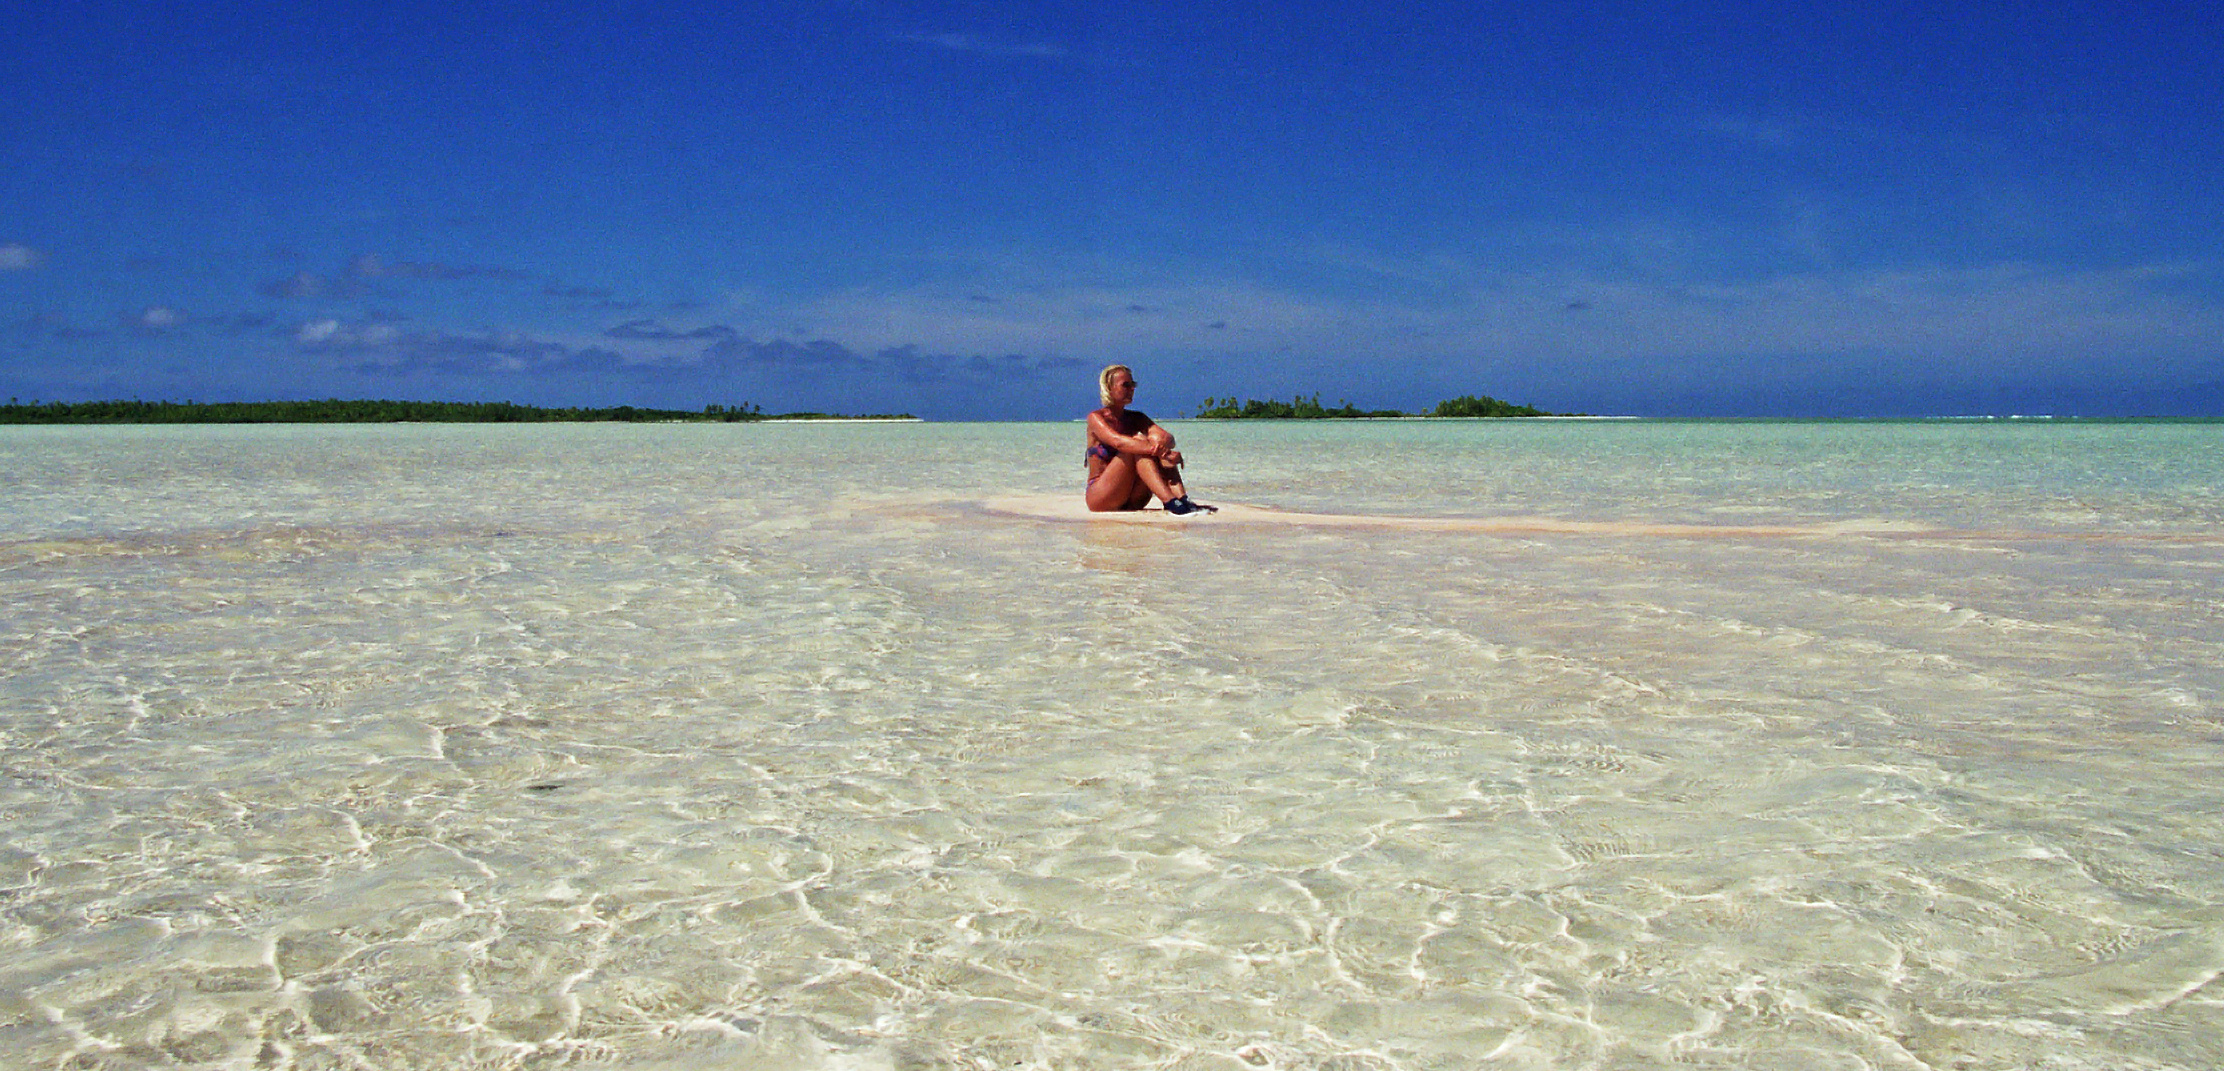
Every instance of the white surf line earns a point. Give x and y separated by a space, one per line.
1070 508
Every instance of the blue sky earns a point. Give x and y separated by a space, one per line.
962 210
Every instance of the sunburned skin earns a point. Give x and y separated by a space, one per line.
1130 458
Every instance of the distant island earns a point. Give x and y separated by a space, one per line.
338 411
1301 408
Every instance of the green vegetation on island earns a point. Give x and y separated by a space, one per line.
1483 405
365 411
1302 408
1295 409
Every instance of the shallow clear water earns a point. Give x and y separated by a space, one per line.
767 746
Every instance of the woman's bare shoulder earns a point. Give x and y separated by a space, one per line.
1124 422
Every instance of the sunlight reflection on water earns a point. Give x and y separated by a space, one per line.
734 745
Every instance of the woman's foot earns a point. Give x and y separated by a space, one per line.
1182 507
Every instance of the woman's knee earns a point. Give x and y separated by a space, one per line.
1158 434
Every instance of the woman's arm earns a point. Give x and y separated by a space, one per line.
1139 444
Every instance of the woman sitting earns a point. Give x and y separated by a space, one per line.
1130 457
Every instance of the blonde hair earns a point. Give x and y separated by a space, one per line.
1104 382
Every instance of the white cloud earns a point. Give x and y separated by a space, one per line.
963 42
159 318
1996 314
1774 132
301 284
334 333
15 256
2003 311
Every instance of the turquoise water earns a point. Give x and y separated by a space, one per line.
1843 745
2035 475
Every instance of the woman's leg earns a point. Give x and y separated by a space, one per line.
1158 478
1128 483
1169 475
1116 487
1168 486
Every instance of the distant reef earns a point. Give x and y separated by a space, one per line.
338 411
1302 408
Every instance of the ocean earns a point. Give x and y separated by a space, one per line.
1448 744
